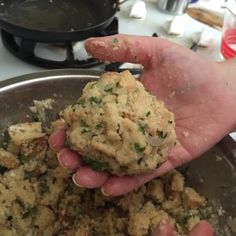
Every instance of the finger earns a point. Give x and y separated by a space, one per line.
125 48
202 228
87 178
57 139
116 186
69 159
165 229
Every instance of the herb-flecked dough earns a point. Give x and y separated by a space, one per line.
116 125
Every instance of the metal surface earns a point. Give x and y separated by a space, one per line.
26 50
175 7
56 21
213 174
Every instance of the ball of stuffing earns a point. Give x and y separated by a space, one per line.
116 125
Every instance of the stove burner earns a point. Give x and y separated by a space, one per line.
28 50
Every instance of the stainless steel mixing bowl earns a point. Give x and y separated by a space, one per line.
213 174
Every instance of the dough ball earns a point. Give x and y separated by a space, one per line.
116 125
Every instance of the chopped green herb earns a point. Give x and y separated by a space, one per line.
139 161
187 216
23 159
138 148
205 213
4 139
95 164
162 134
28 174
3 170
117 84
35 116
67 144
115 41
30 212
142 127
81 102
170 121
83 123
85 130
91 86
44 188
95 100
124 168
148 114
99 126
108 90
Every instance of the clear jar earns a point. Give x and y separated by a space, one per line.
228 42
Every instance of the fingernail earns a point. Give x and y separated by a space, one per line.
74 181
59 160
104 193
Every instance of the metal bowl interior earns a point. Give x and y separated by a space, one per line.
213 174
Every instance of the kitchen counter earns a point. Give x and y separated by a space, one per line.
11 66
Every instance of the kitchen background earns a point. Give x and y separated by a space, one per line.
154 22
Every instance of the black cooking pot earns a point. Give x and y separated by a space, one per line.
56 20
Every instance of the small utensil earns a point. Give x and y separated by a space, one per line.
207 17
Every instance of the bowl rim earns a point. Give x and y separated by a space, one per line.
50 74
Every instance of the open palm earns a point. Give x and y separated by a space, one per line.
193 88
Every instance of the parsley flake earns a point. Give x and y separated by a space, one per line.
148 114
115 41
83 123
81 102
108 90
30 212
28 174
99 126
142 127
162 134
4 139
85 130
138 148
95 164
23 159
44 188
95 100
124 168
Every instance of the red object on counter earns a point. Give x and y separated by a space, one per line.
228 44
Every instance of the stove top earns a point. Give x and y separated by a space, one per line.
67 54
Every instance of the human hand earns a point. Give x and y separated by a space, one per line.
200 229
191 87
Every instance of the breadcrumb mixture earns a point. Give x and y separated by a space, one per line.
118 126
37 197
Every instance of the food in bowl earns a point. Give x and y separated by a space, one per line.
119 126
37 196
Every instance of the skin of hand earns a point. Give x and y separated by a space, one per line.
200 229
201 94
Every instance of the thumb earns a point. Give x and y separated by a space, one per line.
202 228
165 229
125 48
